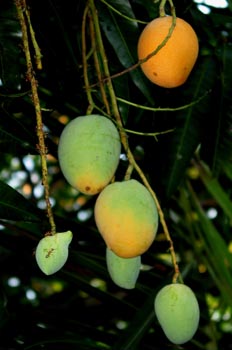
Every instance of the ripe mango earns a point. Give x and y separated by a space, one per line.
52 252
177 311
123 271
88 152
126 216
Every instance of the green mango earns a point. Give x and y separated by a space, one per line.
126 217
123 271
88 152
177 311
52 252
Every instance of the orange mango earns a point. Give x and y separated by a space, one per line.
126 217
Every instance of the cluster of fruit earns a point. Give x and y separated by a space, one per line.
125 214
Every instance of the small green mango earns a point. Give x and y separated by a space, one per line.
177 311
88 152
52 252
123 271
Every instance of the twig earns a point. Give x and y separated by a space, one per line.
145 59
84 61
124 140
21 10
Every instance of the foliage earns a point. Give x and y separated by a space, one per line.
188 165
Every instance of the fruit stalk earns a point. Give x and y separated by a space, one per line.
123 135
21 7
162 8
84 62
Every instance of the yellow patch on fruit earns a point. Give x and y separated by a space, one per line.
88 152
127 218
172 64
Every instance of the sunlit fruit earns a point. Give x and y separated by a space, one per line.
52 252
177 311
126 217
88 152
172 64
124 272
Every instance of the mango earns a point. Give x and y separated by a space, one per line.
52 252
124 272
88 152
177 311
126 217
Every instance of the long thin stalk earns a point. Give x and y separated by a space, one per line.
23 14
132 163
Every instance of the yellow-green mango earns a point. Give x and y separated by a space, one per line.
88 152
52 252
123 271
177 311
126 216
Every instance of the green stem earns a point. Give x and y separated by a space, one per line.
84 62
132 163
162 109
158 48
38 54
21 9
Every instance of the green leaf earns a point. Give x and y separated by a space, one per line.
216 251
123 35
15 136
216 190
10 74
222 151
190 129
140 324
13 206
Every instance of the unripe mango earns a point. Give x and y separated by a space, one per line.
88 152
178 313
52 252
126 217
123 271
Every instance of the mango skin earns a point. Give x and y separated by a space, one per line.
124 272
126 216
88 152
178 313
52 252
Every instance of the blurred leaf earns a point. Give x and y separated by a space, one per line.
216 190
140 325
15 136
10 51
214 246
192 126
13 206
223 141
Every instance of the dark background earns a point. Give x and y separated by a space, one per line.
189 169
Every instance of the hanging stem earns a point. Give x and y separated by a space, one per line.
21 10
124 140
158 48
84 62
97 65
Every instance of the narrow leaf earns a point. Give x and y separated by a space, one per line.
215 246
13 206
123 35
216 190
190 130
